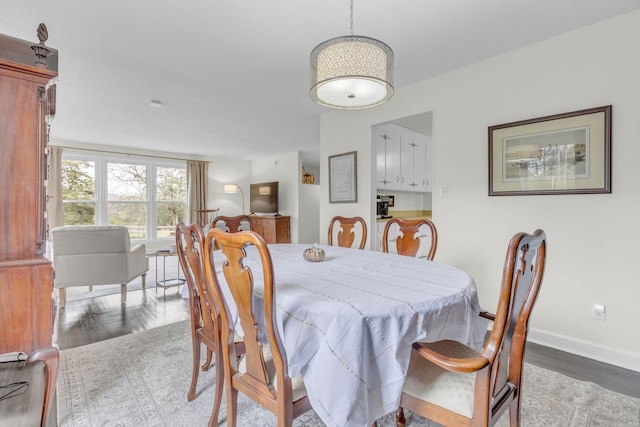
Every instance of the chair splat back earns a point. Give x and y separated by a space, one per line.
241 285
522 276
347 234
233 224
408 241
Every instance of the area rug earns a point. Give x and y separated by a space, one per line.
170 271
142 379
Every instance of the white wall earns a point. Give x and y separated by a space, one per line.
592 239
229 171
286 169
309 222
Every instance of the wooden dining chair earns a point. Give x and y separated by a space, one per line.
28 386
347 233
205 316
262 374
453 384
232 224
408 241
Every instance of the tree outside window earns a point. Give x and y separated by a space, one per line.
127 197
171 193
78 192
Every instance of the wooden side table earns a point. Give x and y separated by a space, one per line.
205 216
166 282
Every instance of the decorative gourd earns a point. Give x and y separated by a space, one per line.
314 254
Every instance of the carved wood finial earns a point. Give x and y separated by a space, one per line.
41 50
43 34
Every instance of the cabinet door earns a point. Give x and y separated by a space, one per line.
270 232
381 169
420 165
26 305
428 170
387 145
22 143
414 162
257 226
283 229
408 163
393 163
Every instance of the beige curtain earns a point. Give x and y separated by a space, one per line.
55 210
197 187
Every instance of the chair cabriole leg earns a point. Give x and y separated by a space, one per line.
195 370
400 419
217 400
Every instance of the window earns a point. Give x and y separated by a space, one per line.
127 198
171 193
78 191
146 195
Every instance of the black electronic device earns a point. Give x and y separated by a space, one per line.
263 198
382 209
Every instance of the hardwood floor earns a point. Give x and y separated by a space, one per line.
608 376
96 319
90 320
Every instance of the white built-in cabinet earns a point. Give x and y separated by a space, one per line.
413 163
387 145
403 159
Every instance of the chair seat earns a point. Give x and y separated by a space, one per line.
297 385
431 383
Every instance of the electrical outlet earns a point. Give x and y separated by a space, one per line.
599 312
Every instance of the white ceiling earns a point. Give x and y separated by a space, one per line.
233 76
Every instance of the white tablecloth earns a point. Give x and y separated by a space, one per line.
348 323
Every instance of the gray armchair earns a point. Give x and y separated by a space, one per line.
87 255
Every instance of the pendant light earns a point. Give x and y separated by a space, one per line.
351 72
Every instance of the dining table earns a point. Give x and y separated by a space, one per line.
347 323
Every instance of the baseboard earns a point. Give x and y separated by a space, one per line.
587 349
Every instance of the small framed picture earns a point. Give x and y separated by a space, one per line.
343 178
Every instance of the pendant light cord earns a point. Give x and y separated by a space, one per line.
351 22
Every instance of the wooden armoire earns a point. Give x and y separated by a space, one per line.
27 100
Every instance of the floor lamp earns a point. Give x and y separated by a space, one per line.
233 188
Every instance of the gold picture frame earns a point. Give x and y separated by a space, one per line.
567 153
